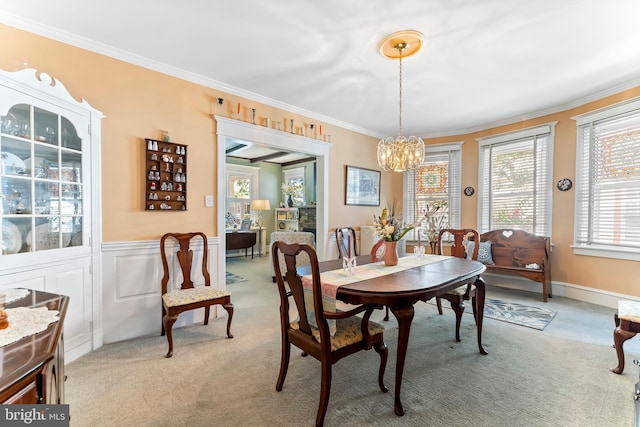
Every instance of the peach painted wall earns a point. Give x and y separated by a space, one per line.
607 274
140 103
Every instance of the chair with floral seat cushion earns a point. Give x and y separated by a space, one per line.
627 321
188 296
465 292
353 333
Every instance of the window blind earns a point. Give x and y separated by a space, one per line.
608 181
514 186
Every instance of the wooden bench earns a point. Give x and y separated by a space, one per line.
513 250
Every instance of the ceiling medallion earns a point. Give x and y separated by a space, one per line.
401 153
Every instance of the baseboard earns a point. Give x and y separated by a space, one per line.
561 289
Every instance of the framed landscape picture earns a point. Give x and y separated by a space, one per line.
362 187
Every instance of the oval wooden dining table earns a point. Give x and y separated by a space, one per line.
401 290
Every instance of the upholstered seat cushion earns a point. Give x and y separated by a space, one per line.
348 331
629 310
292 237
460 290
191 295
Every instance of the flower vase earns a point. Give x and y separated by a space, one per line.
390 253
290 201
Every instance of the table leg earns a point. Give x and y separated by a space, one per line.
404 316
480 294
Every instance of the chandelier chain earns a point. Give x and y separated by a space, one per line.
400 47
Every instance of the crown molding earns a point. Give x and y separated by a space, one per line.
128 57
93 46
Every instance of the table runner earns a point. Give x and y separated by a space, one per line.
332 280
24 322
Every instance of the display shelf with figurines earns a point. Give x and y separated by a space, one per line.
166 176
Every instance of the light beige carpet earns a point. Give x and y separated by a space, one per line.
530 377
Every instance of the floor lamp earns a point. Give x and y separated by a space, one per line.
260 205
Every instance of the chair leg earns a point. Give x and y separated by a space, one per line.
439 304
284 362
325 390
206 315
229 308
167 323
164 313
619 337
381 348
458 308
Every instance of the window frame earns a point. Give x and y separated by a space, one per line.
484 183
454 150
584 187
252 173
295 174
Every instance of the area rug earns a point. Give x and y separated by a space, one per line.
233 278
510 312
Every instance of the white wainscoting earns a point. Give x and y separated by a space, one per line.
131 288
132 272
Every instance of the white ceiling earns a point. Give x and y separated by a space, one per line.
486 62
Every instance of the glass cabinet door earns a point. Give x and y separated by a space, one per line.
41 181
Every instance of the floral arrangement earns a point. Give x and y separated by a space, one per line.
435 219
292 188
390 227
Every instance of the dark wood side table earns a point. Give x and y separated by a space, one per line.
33 367
241 240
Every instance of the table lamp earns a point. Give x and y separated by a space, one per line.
260 205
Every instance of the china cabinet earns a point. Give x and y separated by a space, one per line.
166 176
49 204
287 219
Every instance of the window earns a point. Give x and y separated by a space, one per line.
294 183
514 188
608 182
434 184
242 186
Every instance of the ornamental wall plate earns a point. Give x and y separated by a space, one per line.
564 184
468 191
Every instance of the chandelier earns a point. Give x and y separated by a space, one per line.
401 153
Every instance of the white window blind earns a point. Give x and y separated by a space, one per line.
514 186
608 179
436 181
242 187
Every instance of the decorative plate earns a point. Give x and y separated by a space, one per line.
564 184
281 225
46 239
468 191
11 238
12 164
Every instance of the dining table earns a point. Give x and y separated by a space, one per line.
401 290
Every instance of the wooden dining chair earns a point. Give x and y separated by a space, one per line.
353 333
346 241
627 320
188 296
466 292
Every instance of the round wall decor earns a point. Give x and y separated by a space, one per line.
468 191
564 184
